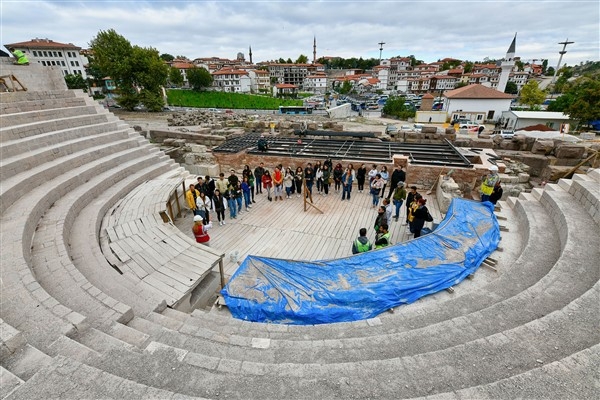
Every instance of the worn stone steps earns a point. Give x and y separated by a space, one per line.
8 382
74 380
27 117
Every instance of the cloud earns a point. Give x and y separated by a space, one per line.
428 29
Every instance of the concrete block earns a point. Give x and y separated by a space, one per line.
523 177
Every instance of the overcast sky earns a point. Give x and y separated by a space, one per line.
430 30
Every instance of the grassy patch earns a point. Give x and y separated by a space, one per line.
190 98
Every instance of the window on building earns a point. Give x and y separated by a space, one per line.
490 114
63 63
44 63
60 54
45 54
479 117
55 54
72 64
65 72
77 63
35 53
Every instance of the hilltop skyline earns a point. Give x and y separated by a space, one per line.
429 30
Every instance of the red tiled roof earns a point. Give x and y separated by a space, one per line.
286 86
226 71
43 43
476 91
427 96
182 65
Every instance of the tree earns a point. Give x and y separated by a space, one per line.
302 59
550 71
138 72
75 81
511 88
175 76
520 65
394 107
166 57
461 84
289 61
468 67
281 61
199 78
544 65
345 88
532 95
583 100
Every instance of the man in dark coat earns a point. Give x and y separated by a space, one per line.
397 176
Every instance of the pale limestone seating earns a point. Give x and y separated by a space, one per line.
30 117
526 329
137 241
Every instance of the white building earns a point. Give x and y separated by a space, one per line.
520 119
315 83
231 80
476 103
54 54
259 80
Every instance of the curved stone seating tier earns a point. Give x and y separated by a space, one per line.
532 332
52 264
20 185
31 159
474 363
30 118
13 102
84 236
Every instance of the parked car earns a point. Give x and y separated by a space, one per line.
470 127
214 110
504 134
391 129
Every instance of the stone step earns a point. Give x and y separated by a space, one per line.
26 361
570 377
103 342
13 165
8 382
27 117
128 335
145 326
74 380
32 143
587 192
20 185
87 255
10 339
478 362
44 104
9 98
36 128
594 174
65 346
565 184
537 193
527 196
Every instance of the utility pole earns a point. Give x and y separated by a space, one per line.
562 53
380 50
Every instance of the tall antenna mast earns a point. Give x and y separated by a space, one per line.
380 50
562 53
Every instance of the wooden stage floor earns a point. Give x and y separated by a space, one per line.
281 229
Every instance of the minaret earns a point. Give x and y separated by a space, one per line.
314 50
507 65
250 53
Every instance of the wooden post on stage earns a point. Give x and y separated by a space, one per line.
308 194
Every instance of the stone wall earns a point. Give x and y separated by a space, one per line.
35 77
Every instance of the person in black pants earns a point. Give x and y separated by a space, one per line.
258 174
409 199
397 176
361 174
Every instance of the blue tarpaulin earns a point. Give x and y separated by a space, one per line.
365 285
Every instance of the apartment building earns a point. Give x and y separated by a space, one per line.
232 80
65 56
316 83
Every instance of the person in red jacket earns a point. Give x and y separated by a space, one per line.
200 230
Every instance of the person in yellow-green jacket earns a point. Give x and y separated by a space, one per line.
190 198
487 186
20 56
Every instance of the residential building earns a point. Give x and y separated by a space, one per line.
65 56
519 78
285 90
293 74
259 80
183 66
477 103
231 80
442 82
316 83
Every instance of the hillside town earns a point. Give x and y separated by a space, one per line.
397 75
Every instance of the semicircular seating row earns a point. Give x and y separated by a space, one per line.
76 203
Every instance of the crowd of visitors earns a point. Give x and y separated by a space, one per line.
238 194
